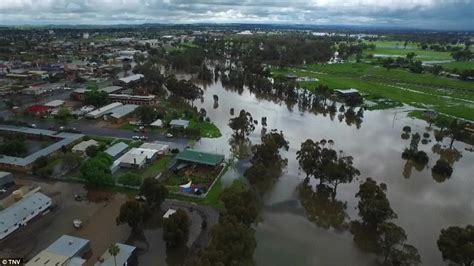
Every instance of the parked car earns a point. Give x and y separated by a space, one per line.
143 137
2 190
169 135
33 125
136 138
77 223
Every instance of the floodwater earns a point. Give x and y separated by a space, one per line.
424 205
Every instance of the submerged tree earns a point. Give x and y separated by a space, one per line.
457 244
131 213
242 124
176 229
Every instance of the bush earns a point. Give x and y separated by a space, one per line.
426 135
420 157
442 167
130 179
406 129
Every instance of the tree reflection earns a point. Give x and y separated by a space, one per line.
321 208
448 156
240 148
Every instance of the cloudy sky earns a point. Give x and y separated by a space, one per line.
432 14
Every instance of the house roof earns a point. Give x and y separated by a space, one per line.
37 109
130 158
200 157
348 91
157 123
64 251
154 146
179 122
116 149
67 246
125 252
21 209
123 111
84 145
131 78
103 110
168 213
54 103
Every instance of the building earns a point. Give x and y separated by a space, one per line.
157 123
130 80
179 123
22 211
26 163
133 99
6 179
37 110
137 157
54 103
348 93
161 148
102 111
67 250
82 146
199 157
117 150
79 94
119 114
126 256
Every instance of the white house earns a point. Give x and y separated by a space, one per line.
82 147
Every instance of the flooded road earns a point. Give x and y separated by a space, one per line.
423 204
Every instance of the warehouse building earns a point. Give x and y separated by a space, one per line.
67 250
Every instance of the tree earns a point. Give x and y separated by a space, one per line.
92 151
131 213
374 207
442 168
39 163
240 203
391 240
242 124
457 244
14 146
114 250
70 161
454 131
146 114
96 171
176 228
154 192
95 97
63 114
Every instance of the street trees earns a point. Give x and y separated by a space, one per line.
176 228
96 171
240 203
63 114
94 97
146 114
242 124
457 244
154 192
131 213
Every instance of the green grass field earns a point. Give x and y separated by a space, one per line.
208 129
459 65
451 97
397 48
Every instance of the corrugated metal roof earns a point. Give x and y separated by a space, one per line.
116 149
68 246
131 78
103 110
124 110
194 156
21 209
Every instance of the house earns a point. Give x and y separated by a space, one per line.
22 211
117 150
130 80
54 104
67 250
198 157
157 123
82 147
179 123
168 213
102 111
126 256
6 179
119 114
348 93
37 110
161 148
137 157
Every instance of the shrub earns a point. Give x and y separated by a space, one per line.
442 167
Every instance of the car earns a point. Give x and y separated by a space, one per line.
143 137
136 138
77 223
136 130
2 190
169 135
78 197
33 125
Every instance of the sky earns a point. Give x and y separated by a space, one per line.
422 14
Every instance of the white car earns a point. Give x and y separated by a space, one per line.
136 138
169 135
2 190
77 223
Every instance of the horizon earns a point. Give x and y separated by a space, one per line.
453 15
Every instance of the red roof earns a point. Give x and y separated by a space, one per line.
37 109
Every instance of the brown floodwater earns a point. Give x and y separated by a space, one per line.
423 204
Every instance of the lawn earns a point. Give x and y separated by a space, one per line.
207 129
397 48
448 96
150 170
458 65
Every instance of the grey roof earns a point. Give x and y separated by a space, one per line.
116 149
66 139
131 78
68 246
125 252
103 110
111 89
179 122
348 91
4 174
123 111
5 178
21 209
